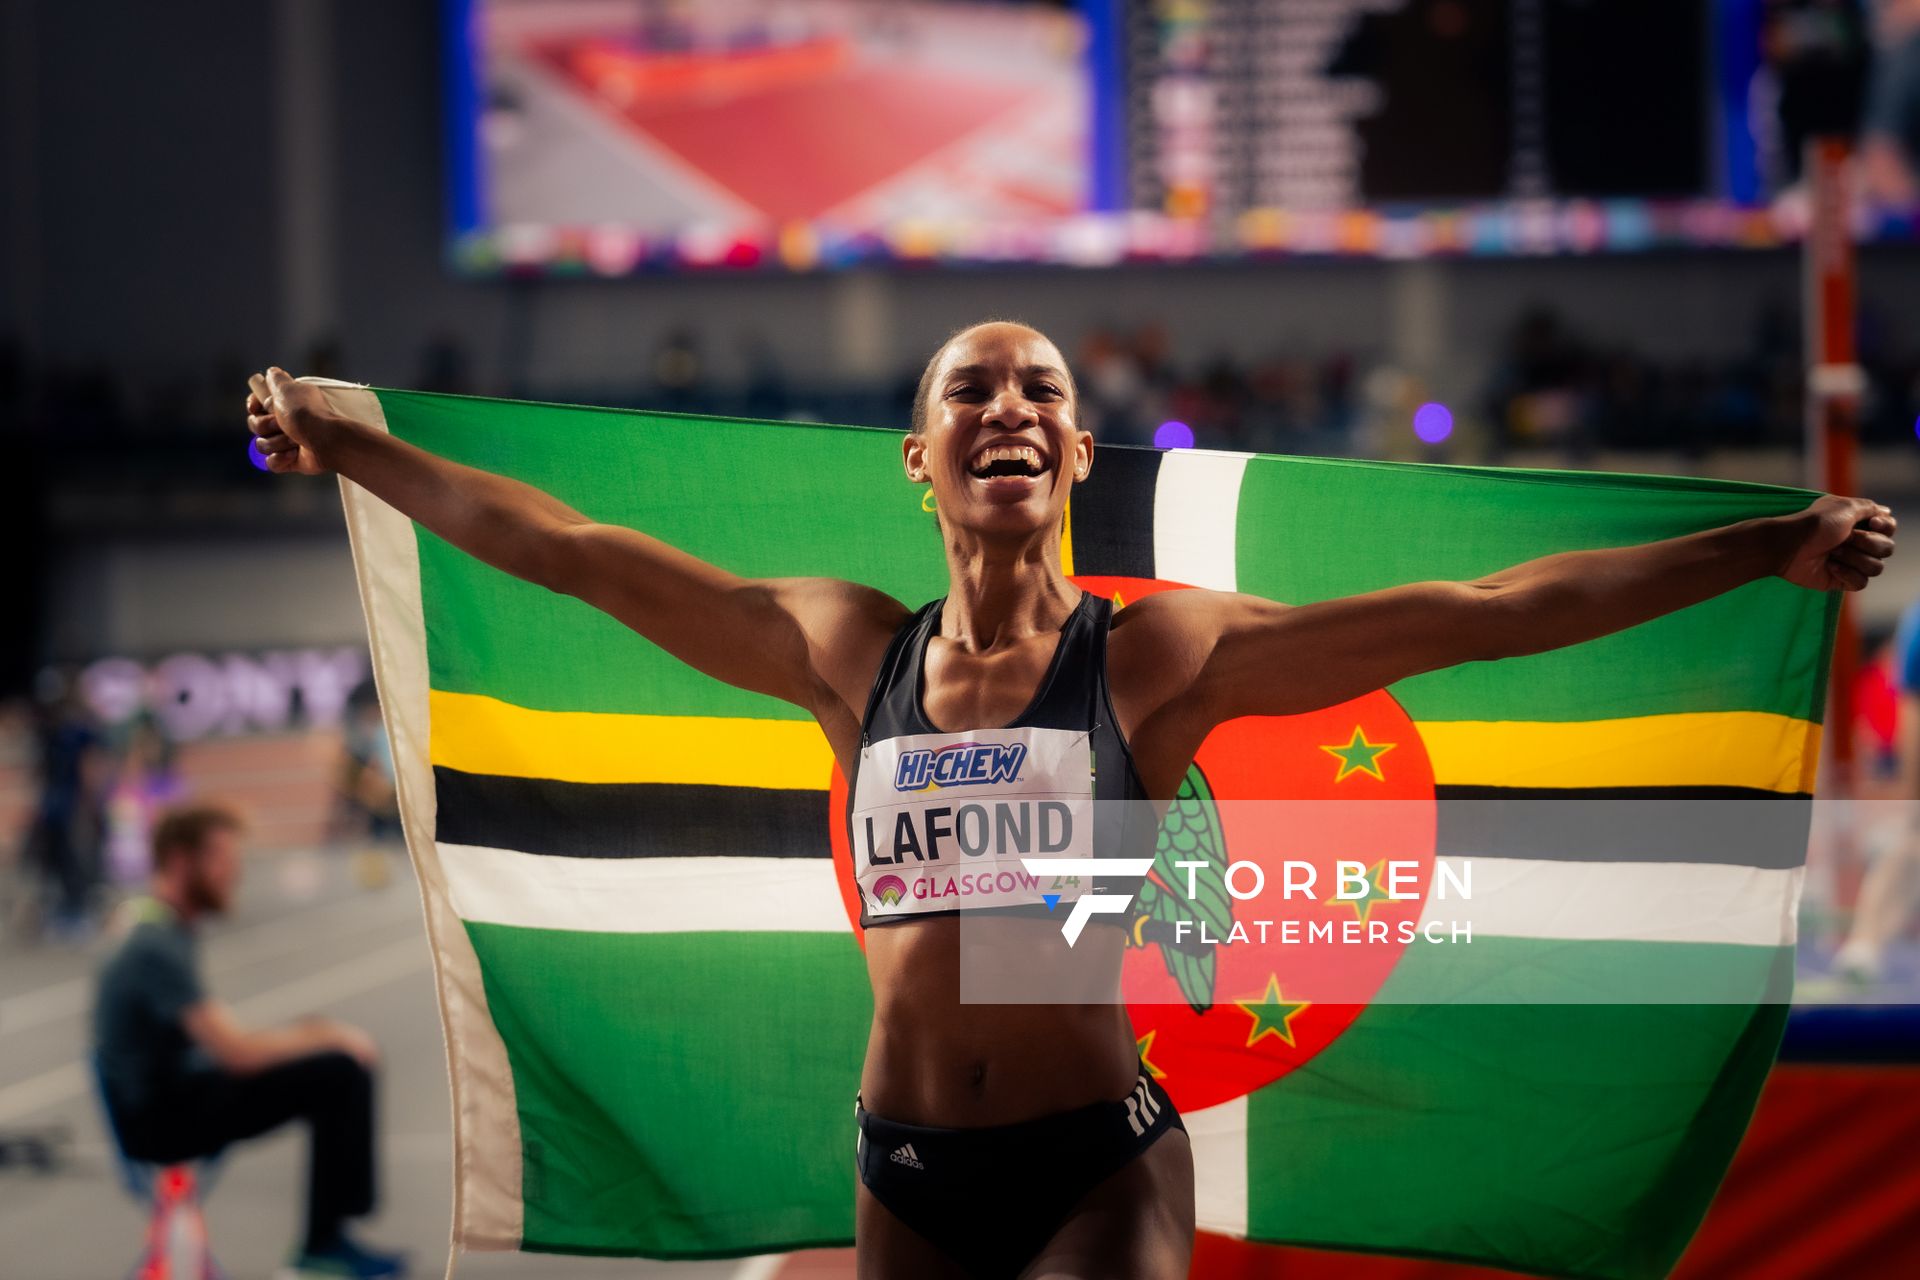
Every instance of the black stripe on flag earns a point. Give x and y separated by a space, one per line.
1113 513
629 819
1731 826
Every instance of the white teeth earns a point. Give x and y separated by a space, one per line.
1006 453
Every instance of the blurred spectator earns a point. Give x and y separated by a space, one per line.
1814 60
144 782
64 840
1891 890
1539 385
1151 350
1890 143
366 798
1112 391
678 372
1552 389
183 1078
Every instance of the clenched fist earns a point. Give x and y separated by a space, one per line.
1843 542
291 421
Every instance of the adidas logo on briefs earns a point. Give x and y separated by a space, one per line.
1142 1107
905 1155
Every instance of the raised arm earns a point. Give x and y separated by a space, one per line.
779 636
1250 656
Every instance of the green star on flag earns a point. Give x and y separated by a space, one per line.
1271 1015
1360 756
1375 893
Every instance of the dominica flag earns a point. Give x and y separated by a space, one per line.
636 891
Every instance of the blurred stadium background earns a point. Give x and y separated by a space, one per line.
1529 232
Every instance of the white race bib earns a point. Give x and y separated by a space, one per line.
941 821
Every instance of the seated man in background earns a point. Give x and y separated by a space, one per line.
183 1077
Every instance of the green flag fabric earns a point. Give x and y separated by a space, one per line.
653 993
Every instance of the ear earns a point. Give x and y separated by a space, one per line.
1082 455
913 455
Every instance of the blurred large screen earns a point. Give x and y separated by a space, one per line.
612 136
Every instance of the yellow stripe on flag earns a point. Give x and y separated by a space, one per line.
478 734
1686 749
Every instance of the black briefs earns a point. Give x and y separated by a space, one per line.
1030 1175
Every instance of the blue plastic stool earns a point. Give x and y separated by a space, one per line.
170 1192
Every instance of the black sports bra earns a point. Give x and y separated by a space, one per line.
942 822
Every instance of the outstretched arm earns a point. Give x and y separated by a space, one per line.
213 1025
772 635
1256 657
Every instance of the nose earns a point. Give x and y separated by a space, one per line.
1010 410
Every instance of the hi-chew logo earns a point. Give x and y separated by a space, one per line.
1087 906
959 764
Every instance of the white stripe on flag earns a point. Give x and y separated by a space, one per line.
1196 509
487 1209
1219 1137
1621 901
644 895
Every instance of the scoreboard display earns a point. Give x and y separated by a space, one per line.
612 136
1335 104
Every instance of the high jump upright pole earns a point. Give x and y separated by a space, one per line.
1834 386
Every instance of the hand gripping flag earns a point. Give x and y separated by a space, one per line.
652 989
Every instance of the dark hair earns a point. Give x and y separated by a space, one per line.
185 828
917 419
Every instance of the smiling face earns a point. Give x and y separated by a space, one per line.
996 433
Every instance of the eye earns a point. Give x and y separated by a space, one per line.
962 390
1045 389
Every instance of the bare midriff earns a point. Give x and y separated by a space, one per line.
933 1059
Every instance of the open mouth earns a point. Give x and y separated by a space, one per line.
1001 462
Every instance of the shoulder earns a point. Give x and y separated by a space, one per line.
146 950
1166 623
142 938
1161 645
1165 638
167 943
836 614
846 626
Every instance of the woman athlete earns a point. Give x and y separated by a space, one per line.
1022 1139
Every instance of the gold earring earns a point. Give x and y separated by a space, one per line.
926 501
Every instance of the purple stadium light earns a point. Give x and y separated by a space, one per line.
1433 422
257 458
1173 435
1916 426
